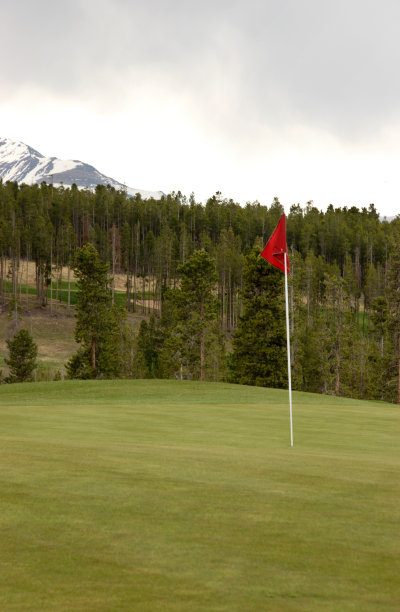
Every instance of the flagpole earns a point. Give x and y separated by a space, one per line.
272 252
288 351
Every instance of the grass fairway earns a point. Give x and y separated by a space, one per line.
181 496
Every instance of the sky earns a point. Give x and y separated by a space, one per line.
256 99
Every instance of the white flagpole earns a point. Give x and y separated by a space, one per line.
288 351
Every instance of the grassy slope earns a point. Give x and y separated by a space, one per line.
53 332
165 495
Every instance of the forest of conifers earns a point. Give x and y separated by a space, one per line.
344 287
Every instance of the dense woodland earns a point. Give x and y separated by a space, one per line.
344 283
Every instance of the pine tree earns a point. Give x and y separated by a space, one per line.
148 346
193 346
229 268
379 349
22 357
259 344
393 321
98 322
307 366
333 314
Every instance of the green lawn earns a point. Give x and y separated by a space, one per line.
167 495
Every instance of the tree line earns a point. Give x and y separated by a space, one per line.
344 285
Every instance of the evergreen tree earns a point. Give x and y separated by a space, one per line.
343 253
333 316
259 344
98 322
307 366
193 346
379 348
148 346
353 347
393 322
229 268
353 360
22 357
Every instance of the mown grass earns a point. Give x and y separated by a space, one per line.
170 495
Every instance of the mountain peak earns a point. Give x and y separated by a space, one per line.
21 163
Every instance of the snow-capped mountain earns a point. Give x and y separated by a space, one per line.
21 164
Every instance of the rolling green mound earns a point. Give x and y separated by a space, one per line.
178 496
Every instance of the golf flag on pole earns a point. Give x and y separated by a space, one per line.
276 247
275 252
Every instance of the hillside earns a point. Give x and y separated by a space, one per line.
53 332
344 281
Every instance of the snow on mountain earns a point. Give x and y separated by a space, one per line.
21 164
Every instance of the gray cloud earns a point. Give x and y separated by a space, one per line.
334 63
329 64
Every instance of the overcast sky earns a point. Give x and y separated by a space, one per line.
298 99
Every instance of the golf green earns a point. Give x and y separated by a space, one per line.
176 495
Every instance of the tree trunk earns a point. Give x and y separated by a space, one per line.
160 294
134 293
69 287
51 279
398 385
27 279
202 356
337 377
128 291
2 277
93 353
224 325
202 346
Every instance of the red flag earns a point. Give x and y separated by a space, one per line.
276 247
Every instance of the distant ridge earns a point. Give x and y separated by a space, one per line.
21 163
